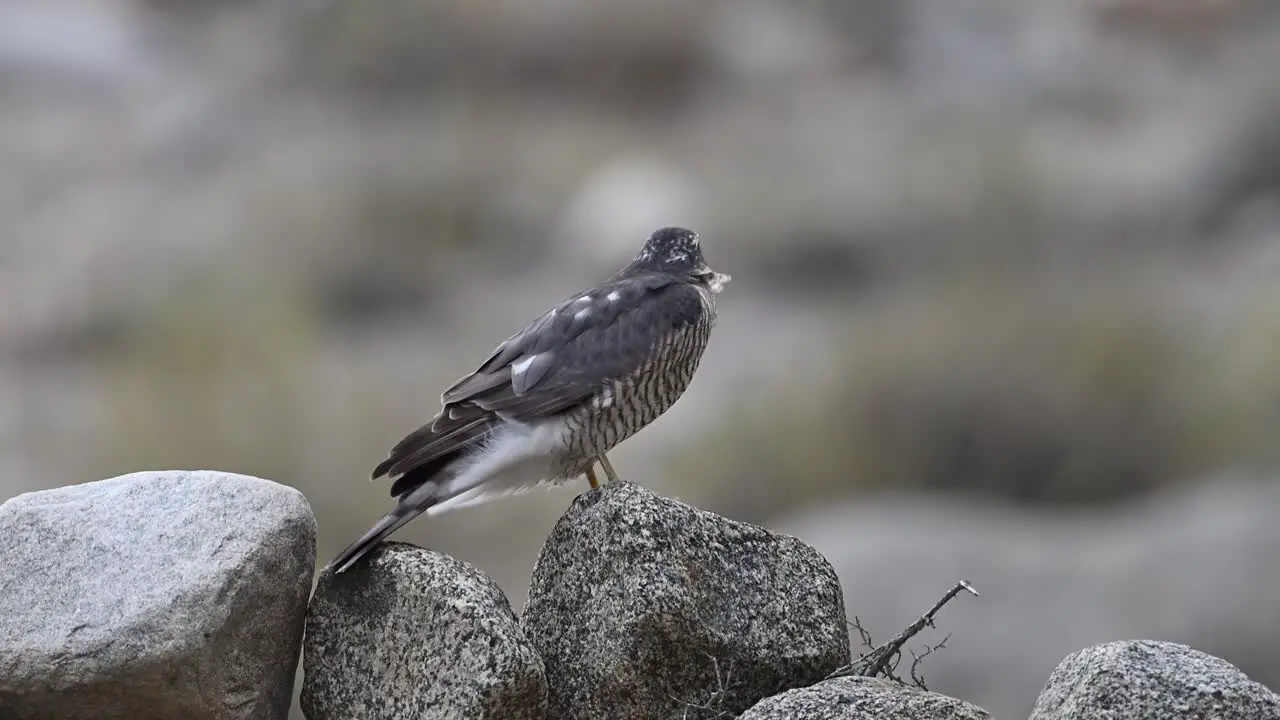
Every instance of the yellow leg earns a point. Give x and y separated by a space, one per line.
591 478
608 469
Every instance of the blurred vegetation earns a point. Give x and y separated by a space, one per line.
201 384
1011 387
403 51
273 231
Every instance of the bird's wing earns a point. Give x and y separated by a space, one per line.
561 359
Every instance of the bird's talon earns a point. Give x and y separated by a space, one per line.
608 469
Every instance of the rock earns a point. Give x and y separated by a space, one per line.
154 595
412 633
644 607
1149 680
854 698
1055 581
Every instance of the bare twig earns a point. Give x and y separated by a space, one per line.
856 624
883 653
884 659
714 699
917 678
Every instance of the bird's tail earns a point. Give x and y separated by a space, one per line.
410 506
439 482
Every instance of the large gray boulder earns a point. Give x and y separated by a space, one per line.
1149 680
644 607
412 633
153 595
861 698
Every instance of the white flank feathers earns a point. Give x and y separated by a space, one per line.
516 459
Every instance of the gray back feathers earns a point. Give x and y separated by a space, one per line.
558 362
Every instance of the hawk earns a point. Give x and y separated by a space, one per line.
550 401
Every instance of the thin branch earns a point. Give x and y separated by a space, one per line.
917 678
884 659
714 698
856 624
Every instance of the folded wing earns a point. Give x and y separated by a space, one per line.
557 362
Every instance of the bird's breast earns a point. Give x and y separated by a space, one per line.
623 406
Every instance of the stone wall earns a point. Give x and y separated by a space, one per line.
186 595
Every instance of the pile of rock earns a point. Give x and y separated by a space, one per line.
641 607
167 595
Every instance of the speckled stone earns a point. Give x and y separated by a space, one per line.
154 595
863 698
644 607
1150 680
412 633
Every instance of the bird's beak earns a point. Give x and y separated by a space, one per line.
715 280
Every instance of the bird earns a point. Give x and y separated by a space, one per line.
552 400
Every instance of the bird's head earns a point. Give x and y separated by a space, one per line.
676 251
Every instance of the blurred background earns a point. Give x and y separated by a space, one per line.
1005 302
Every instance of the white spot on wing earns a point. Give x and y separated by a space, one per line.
522 366
582 314
614 296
